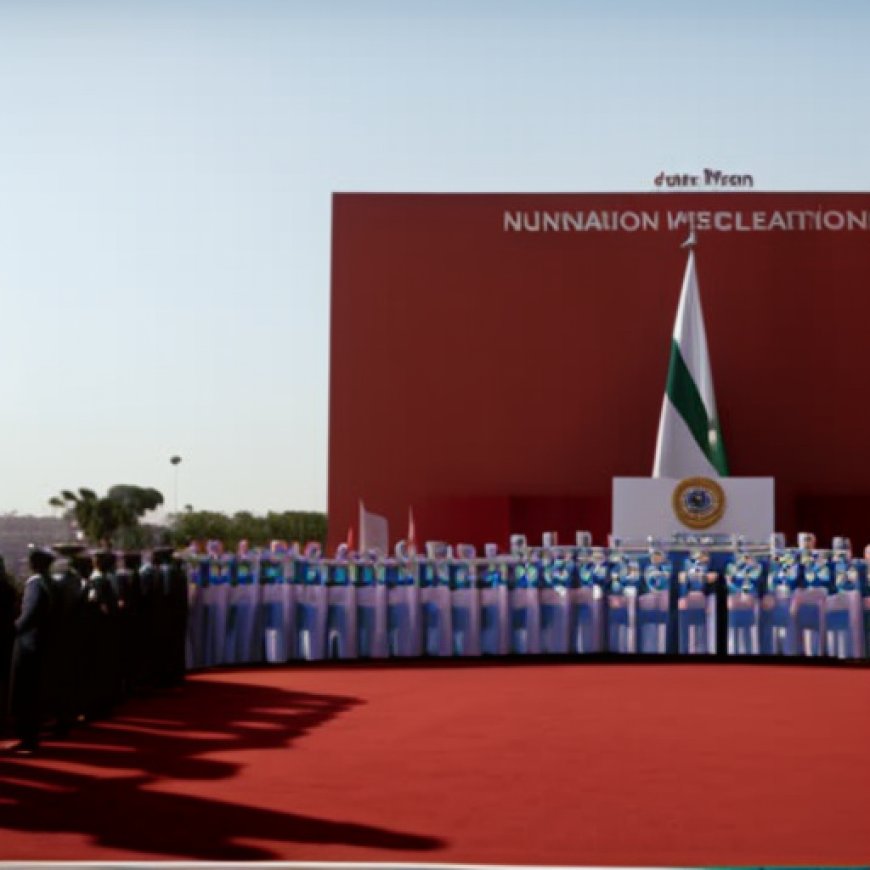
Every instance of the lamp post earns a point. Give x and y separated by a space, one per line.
175 461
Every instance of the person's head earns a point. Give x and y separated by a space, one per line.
40 559
132 560
161 555
83 565
106 561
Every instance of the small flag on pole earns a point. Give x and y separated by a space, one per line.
689 439
373 531
412 532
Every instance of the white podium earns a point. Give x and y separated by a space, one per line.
663 508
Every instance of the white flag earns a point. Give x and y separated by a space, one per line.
373 532
689 441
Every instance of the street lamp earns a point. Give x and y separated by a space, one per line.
175 461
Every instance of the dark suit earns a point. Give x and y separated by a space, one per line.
8 603
68 648
100 672
125 584
32 637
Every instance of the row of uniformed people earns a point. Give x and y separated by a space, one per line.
89 632
283 604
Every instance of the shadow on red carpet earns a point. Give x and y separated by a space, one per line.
106 783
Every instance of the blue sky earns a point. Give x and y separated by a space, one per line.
166 171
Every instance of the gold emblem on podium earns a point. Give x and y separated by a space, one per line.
698 502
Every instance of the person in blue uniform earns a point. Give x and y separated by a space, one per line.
32 638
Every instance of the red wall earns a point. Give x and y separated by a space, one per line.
500 379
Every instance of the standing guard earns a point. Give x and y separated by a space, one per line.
696 607
172 586
32 639
276 608
464 602
844 619
494 609
125 584
403 604
341 640
810 603
525 605
778 627
150 620
311 606
622 595
371 607
653 604
436 622
586 632
8 608
555 583
65 693
99 681
743 579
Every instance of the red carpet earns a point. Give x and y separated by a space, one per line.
545 764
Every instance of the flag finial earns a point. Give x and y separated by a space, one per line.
691 241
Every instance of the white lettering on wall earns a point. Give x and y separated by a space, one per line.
700 220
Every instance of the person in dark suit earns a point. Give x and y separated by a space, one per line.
171 632
100 655
67 648
150 625
125 583
32 637
8 609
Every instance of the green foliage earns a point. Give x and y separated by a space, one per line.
112 519
258 531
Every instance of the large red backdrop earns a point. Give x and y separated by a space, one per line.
497 359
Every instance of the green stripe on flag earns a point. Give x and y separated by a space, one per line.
684 395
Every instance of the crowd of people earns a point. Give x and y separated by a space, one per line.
92 628
286 603
88 630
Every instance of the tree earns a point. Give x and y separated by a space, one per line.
112 518
302 526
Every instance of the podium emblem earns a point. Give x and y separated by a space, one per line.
698 502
